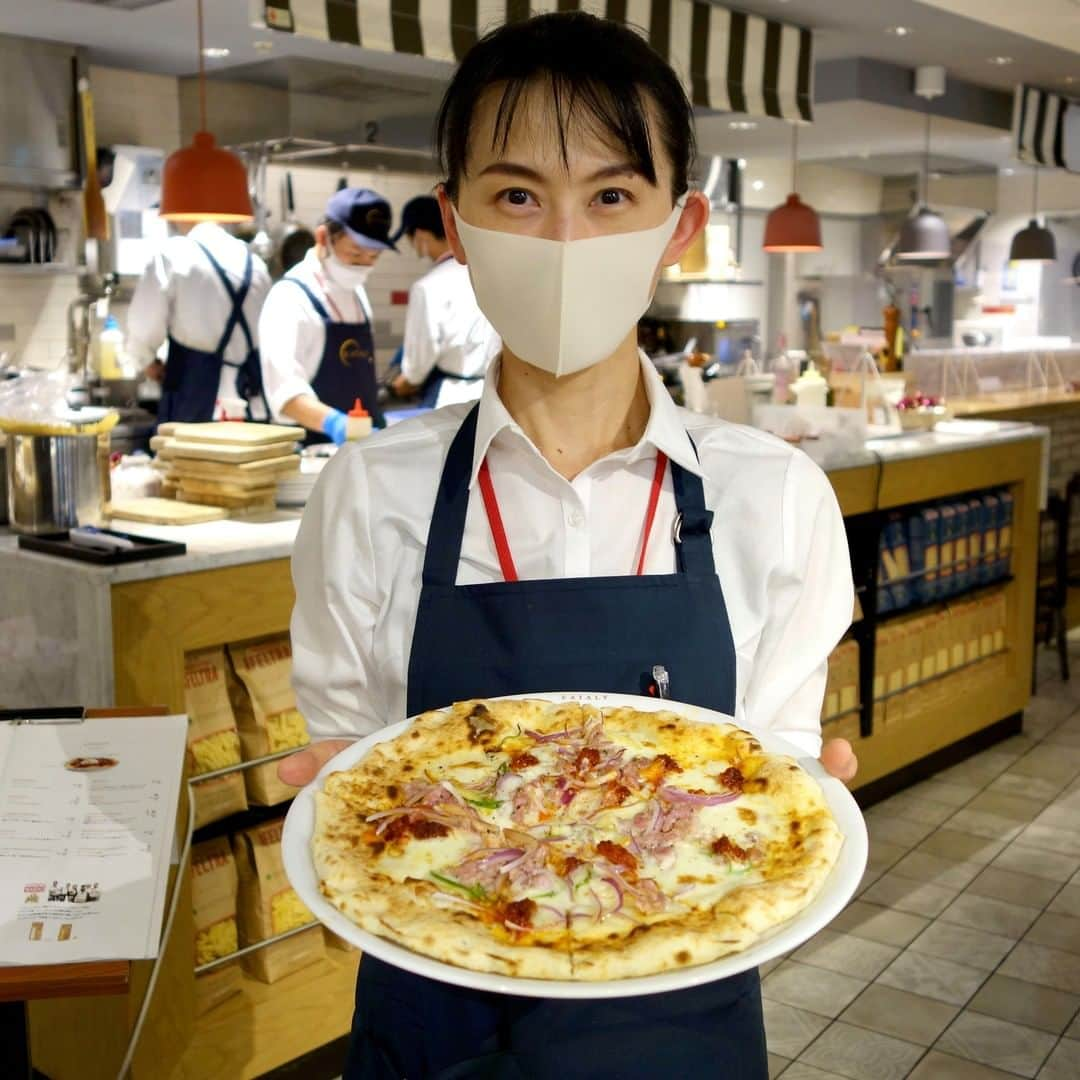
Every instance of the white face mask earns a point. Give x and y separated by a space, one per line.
564 305
347 275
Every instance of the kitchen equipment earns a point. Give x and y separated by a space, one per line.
836 891
142 547
95 220
295 239
56 482
261 243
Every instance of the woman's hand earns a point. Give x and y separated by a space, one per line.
839 760
303 766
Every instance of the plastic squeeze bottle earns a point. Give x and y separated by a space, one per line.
110 346
357 422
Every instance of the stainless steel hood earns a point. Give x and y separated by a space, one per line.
38 135
337 116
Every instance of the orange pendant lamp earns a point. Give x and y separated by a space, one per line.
793 226
203 182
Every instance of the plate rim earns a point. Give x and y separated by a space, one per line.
837 890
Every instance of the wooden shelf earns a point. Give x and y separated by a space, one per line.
265 1026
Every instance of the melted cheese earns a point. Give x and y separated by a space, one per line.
418 858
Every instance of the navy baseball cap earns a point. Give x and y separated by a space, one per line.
364 215
421 213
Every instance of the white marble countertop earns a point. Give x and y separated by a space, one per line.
271 536
212 544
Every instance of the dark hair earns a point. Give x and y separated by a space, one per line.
334 228
594 64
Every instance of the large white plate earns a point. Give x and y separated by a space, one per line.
838 889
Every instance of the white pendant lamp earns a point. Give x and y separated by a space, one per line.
925 236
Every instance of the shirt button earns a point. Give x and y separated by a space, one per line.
575 519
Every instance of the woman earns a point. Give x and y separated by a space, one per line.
566 144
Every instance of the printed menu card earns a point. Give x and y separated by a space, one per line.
87 814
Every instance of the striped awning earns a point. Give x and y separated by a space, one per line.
728 60
1046 127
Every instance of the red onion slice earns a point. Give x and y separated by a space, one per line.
570 733
678 795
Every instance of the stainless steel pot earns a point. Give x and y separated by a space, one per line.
56 482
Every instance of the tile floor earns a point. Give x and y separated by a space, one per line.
959 958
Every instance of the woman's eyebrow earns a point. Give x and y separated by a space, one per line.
526 172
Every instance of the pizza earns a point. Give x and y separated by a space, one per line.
565 841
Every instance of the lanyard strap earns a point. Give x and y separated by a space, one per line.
498 531
324 285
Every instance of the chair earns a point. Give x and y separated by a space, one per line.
1052 593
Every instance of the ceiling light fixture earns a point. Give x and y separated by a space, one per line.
1035 242
925 236
899 31
215 52
758 185
1000 61
742 125
203 182
793 226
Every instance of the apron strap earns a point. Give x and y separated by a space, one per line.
693 542
237 296
451 505
498 531
316 303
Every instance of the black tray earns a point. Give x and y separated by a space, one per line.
146 547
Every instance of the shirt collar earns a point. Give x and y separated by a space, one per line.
665 430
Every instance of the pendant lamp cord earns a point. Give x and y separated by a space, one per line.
794 157
202 71
926 161
1035 196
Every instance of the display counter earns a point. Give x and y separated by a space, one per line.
75 632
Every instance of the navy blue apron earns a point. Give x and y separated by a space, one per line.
189 389
347 368
434 382
594 633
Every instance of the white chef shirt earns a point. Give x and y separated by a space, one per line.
180 295
778 539
293 334
445 328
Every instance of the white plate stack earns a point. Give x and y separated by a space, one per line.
293 490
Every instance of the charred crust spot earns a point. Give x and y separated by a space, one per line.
728 849
407 767
747 815
377 847
669 763
414 735
756 785
795 825
398 829
392 791
426 830
683 956
667 727
481 724
732 779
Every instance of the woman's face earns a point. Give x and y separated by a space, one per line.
528 188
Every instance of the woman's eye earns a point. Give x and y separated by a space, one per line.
613 197
516 196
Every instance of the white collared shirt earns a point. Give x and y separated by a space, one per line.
778 540
180 295
293 334
445 328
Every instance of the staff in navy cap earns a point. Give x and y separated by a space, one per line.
319 356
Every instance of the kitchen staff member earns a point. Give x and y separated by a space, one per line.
202 292
448 342
538 494
319 352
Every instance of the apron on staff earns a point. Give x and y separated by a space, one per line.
589 634
189 389
347 368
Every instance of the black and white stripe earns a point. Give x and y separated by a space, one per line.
728 60
1047 128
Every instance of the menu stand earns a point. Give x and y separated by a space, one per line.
21 984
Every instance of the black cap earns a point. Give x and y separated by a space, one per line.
364 215
421 213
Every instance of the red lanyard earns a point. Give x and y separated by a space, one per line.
498 532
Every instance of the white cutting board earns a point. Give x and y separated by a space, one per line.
230 454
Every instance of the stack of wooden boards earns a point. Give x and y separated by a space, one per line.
235 466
